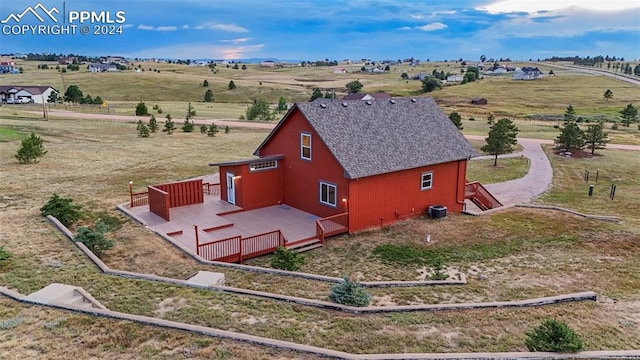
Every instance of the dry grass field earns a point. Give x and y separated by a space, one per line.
514 254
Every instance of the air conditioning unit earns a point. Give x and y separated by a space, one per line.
437 211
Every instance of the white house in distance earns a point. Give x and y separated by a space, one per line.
100 67
25 94
527 73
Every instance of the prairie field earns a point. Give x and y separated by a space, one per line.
514 254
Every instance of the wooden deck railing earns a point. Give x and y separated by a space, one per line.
480 196
139 199
211 189
332 225
159 202
237 249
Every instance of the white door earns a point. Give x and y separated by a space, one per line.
231 189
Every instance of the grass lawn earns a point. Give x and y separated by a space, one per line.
507 169
511 255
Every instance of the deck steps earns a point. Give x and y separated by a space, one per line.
307 245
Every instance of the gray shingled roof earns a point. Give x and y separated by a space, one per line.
381 136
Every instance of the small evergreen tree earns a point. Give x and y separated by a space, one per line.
169 125
259 110
141 109
138 125
227 129
501 138
244 67
490 119
98 100
571 137
4 256
205 83
31 149
350 293
153 124
430 84
213 130
456 119
203 129
569 115
316 94
208 96
94 238
354 86
595 137
629 115
188 120
608 94
282 104
143 131
62 209
553 335
286 259
232 85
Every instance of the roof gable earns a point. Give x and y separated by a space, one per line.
381 136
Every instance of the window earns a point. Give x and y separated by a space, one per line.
305 146
426 181
264 165
328 194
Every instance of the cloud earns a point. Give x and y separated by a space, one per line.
159 28
200 51
236 41
519 6
417 16
443 12
222 27
432 27
185 26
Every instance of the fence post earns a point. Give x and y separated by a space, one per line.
130 193
597 172
240 247
195 228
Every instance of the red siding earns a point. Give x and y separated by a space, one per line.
384 199
253 189
301 178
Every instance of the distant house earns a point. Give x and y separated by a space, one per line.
26 93
455 78
364 96
100 67
479 101
116 60
527 73
67 60
420 76
339 71
7 67
371 163
268 63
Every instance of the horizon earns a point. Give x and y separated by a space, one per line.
295 31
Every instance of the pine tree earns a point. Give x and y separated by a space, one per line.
595 137
571 137
213 130
227 129
188 121
208 96
169 125
569 115
629 115
456 119
502 135
32 148
143 131
153 124
232 85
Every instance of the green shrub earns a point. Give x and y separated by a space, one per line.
553 335
438 265
4 255
62 209
94 239
31 149
203 129
286 259
141 109
350 293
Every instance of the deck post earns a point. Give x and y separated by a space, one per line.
130 193
240 248
195 228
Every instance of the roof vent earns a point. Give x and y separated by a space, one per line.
413 100
392 101
369 102
323 105
344 104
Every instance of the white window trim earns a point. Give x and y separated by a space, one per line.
263 165
422 181
335 193
302 147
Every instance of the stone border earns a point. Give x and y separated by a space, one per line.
370 284
582 296
301 348
545 207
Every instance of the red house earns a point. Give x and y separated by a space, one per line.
375 162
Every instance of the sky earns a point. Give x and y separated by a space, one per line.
315 30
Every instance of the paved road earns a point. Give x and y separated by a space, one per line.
598 72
